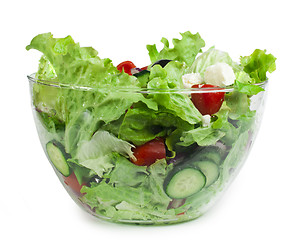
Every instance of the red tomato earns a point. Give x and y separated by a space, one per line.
127 66
149 152
207 103
144 68
72 182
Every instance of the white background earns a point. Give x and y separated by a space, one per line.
260 204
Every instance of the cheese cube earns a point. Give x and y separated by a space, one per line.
191 79
220 74
206 120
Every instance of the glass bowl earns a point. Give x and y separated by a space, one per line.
94 138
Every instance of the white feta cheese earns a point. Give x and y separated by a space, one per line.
191 79
206 120
220 74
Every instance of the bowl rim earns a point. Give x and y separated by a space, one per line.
49 83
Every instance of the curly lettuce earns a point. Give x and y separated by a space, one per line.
140 197
184 50
83 109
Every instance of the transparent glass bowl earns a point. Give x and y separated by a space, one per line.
84 149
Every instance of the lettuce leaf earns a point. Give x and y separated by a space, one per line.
247 88
105 193
235 156
178 104
184 50
90 109
126 173
258 64
45 69
72 63
142 124
203 136
234 117
83 110
97 153
174 72
211 57
155 182
134 201
224 124
44 97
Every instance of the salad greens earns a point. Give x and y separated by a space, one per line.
101 116
184 50
123 200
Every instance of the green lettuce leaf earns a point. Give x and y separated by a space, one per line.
83 110
97 154
90 109
234 117
125 210
247 88
72 63
45 70
238 103
184 50
50 122
203 136
45 97
235 155
133 201
223 124
82 173
178 104
258 64
126 173
174 72
107 194
142 124
155 181
211 57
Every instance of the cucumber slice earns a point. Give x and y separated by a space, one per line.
57 155
214 156
185 183
210 153
210 170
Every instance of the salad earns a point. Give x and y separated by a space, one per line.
147 144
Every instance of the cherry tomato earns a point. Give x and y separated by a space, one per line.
72 182
144 68
149 152
127 66
207 103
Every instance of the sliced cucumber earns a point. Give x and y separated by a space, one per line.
210 153
213 156
57 155
185 183
210 170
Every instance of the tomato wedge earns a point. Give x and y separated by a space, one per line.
126 66
71 181
149 152
208 102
